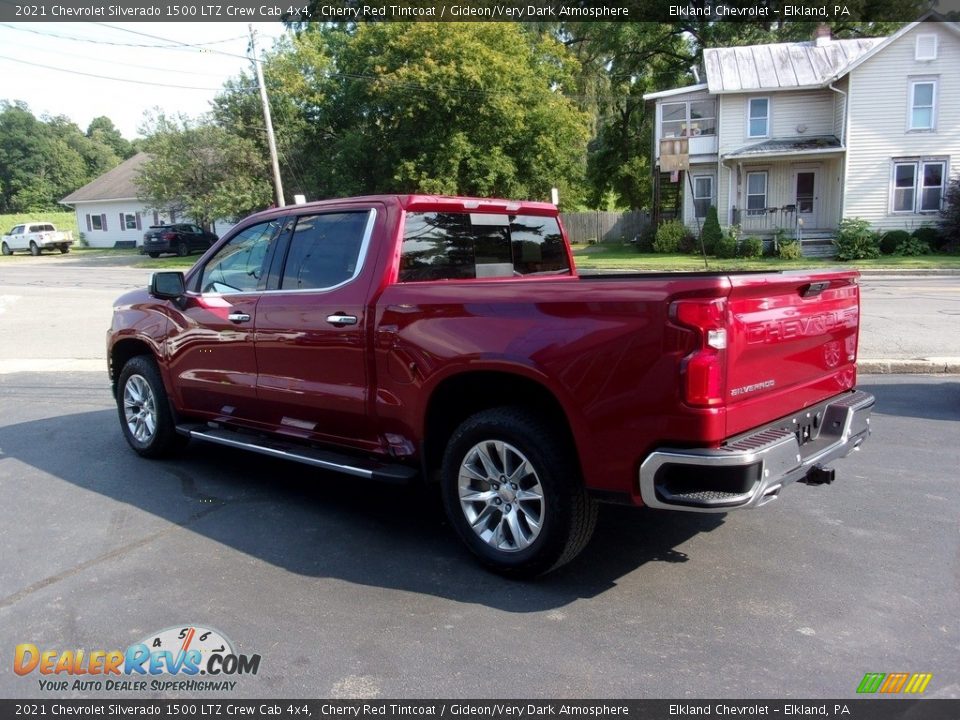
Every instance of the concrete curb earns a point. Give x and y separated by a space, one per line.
910 366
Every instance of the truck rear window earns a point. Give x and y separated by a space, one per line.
453 246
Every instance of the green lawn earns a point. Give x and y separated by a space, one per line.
625 257
168 262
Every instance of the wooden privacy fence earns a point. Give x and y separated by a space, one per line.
584 227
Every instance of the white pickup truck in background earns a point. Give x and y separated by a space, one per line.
36 237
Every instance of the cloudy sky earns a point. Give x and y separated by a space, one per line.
122 69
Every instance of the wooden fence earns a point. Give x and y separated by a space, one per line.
584 227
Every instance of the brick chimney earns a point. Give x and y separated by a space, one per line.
822 35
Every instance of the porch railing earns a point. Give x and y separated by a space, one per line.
766 219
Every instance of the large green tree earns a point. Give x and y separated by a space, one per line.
202 170
43 160
459 108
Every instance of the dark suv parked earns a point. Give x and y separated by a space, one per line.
182 239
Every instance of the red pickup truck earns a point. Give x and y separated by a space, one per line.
451 340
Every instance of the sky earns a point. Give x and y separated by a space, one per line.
129 57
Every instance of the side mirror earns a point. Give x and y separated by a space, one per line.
167 285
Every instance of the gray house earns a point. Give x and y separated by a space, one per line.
797 136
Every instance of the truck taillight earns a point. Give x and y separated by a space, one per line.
702 371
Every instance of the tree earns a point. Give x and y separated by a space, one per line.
459 108
201 170
102 131
43 160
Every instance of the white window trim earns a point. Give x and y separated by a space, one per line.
94 219
125 224
747 193
916 48
688 121
918 164
711 197
933 109
769 117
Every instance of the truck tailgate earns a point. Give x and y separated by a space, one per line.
792 343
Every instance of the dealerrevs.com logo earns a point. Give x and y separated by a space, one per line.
172 659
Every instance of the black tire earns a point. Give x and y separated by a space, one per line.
565 516
183 249
6 249
34 248
64 249
140 391
154 254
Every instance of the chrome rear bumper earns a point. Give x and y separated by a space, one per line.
752 469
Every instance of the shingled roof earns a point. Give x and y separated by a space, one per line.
116 184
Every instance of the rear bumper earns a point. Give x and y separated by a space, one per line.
55 243
159 246
751 470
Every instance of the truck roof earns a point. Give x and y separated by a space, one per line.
426 203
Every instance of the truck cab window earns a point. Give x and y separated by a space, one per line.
239 265
324 250
450 246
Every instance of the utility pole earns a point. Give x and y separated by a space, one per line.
271 141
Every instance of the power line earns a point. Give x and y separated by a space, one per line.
182 44
96 41
110 77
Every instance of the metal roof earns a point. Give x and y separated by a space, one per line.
116 184
781 66
788 146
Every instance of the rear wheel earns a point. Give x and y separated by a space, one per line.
145 414
183 249
64 249
513 493
6 249
154 254
34 248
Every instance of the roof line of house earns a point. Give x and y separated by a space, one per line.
675 91
98 200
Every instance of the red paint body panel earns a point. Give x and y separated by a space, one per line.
611 350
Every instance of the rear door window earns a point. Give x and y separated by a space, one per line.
325 250
450 246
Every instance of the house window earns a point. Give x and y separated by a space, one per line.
923 104
684 119
758 117
926 47
756 193
129 221
702 194
96 222
918 186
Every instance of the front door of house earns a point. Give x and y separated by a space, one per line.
805 187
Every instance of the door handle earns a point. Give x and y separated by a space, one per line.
340 319
238 317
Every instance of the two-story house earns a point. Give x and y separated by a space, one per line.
800 135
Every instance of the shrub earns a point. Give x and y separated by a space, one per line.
950 218
912 245
669 237
644 240
891 239
930 235
711 230
790 250
751 247
726 247
856 241
780 237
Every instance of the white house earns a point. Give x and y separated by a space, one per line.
108 211
801 135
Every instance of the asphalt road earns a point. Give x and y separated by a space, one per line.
348 589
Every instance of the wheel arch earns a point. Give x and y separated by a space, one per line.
121 352
457 397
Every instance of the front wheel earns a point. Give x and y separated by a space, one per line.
34 248
513 493
145 414
6 249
